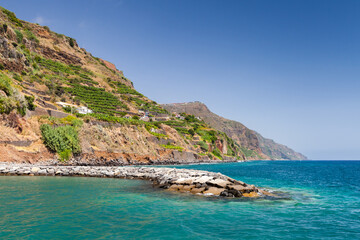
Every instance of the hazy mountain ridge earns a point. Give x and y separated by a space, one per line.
266 148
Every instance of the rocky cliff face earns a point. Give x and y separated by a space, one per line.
45 78
246 138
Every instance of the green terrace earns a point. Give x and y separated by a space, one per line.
97 99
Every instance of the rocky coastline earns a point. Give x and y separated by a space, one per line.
172 179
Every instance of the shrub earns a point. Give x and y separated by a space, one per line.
31 36
17 77
71 42
71 120
65 155
217 153
19 36
47 28
60 139
191 132
136 117
30 102
1 67
5 84
204 146
5 27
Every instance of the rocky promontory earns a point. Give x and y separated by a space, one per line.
180 180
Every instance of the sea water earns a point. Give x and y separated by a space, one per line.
323 202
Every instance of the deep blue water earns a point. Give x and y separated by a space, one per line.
324 204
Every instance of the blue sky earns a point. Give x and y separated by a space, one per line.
287 69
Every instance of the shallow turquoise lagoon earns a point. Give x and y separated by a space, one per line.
324 203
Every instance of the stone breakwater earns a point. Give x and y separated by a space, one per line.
181 180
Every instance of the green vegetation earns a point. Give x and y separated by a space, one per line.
30 103
63 140
5 27
208 136
65 155
169 146
217 153
31 36
5 84
249 153
12 17
131 95
97 99
17 77
19 36
13 99
71 42
204 146
61 135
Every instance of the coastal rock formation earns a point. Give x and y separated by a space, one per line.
179 180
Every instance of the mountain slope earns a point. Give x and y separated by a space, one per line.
266 148
59 102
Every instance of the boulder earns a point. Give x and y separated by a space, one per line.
35 170
214 191
218 183
197 190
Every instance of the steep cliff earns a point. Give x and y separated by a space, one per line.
249 139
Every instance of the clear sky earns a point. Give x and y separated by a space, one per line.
287 69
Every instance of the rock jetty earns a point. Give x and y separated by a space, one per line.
172 179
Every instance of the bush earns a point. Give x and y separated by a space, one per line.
71 120
65 155
136 117
204 146
5 84
217 153
31 36
19 36
60 139
1 67
5 27
30 103
17 77
71 42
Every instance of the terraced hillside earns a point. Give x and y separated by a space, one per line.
47 82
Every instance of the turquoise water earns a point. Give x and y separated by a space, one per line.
324 204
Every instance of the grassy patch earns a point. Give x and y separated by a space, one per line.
169 146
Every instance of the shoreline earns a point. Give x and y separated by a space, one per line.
179 180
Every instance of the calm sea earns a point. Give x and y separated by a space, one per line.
324 203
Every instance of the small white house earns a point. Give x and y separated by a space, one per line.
84 110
